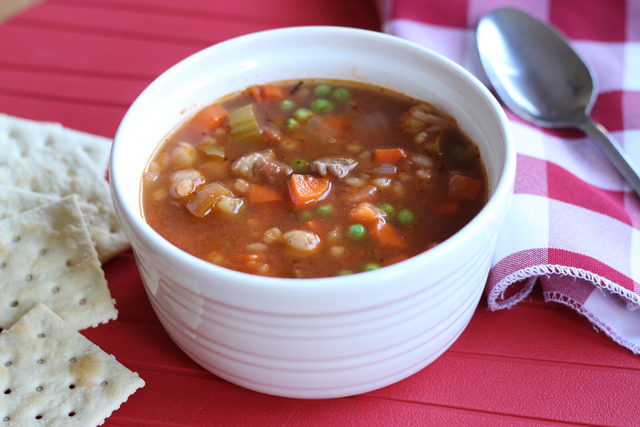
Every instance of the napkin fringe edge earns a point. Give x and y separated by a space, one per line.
496 295
561 298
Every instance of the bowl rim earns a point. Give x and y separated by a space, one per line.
494 207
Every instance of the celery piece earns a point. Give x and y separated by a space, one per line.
244 124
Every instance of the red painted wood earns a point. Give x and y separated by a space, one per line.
82 63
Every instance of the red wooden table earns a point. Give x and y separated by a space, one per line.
83 62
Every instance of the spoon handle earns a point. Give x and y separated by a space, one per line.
612 149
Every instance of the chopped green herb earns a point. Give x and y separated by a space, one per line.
306 214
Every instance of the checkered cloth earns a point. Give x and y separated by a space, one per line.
574 224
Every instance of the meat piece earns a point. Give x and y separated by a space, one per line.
336 166
260 164
419 117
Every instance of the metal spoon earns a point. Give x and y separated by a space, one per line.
543 80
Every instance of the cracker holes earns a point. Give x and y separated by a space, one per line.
55 290
71 414
8 364
3 264
14 304
40 361
38 417
82 301
72 386
16 239
5 419
28 277
39 388
72 360
43 252
69 263
40 335
7 391
104 383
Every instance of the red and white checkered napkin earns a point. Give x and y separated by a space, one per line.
573 224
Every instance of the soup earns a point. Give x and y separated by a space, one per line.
313 178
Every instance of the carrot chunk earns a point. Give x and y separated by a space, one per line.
385 234
262 194
211 117
272 91
366 213
464 188
306 189
389 156
255 91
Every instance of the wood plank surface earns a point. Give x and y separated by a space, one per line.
83 63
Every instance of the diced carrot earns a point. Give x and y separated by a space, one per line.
389 156
394 260
357 195
262 194
239 258
447 207
255 91
211 117
366 213
307 189
464 188
271 91
385 234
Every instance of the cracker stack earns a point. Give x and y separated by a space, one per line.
49 159
57 224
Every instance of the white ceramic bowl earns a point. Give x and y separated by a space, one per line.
314 338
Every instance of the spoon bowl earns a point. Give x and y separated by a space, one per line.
539 77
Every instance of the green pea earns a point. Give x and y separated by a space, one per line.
322 90
292 124
299 165
306 214
405 217
341 94
287 105
371 266
302 114
387 208
321 106
325 210
344 273
356 231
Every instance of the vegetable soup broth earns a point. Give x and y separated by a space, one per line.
313 179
